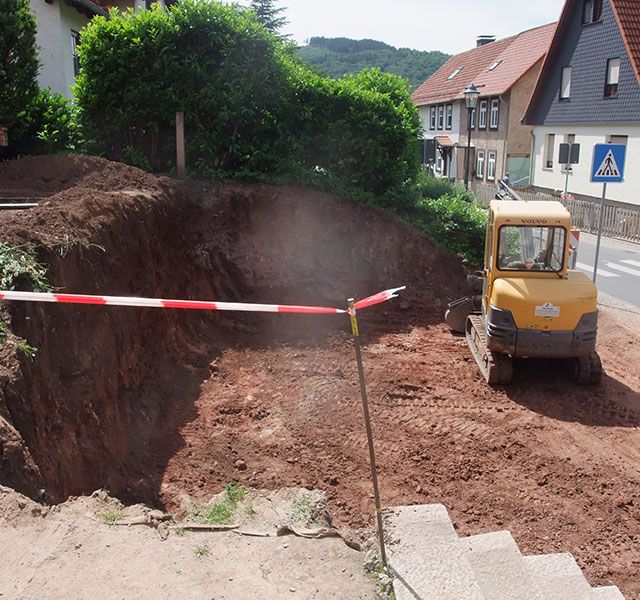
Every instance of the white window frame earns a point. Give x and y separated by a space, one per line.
75 41
482 115
432 117
565 83
440 117
492 159
612 78
549 150
480 164
449 116
495 112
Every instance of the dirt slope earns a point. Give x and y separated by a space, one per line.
166 407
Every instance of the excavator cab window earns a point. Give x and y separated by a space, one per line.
528 248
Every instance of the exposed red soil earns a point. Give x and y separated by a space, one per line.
160 406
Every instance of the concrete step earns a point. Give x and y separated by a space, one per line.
426 555
610 592
558 577
496 560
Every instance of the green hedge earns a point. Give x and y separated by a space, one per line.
47 126
250 108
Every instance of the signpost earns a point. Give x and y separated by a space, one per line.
569 155
607 167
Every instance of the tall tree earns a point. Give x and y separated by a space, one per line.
269 14
18 60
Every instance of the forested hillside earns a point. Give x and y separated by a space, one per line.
339 56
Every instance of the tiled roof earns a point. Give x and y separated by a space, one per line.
515 55
628 15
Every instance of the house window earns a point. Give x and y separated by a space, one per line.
618 139
550 146
482 117
432 117
473 119
613 75
440 116
449 116
75 42
480 164
591 11
455 72
495 65
495 110
570 138
439 161
565 83
491 165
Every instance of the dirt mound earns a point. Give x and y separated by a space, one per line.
166 407
43 176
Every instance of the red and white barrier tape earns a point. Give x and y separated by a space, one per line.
189 304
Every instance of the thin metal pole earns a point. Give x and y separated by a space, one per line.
367 421
566 168
600 227
468 157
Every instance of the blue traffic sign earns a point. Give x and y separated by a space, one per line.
608 163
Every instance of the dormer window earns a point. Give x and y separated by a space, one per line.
591 11
455 72
495 65
613 76
565 83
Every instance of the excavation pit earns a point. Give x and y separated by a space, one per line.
166 407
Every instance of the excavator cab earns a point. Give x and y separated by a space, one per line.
532 304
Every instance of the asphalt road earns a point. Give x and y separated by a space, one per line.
618 267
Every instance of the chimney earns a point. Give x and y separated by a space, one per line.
483 40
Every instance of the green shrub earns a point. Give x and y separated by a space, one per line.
47 126
21 265
452 221
250 109
436 187
18 62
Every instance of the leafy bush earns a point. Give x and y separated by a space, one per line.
452 221
47 126
436 187
250 109
216 63
21 264
18 62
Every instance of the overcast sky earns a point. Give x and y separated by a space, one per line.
447 25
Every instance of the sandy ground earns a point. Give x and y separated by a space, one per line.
69 552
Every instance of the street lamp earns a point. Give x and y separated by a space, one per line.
471 100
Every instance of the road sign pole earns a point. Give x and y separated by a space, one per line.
600 227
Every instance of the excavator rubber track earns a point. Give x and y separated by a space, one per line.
496 368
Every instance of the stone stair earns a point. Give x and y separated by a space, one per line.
429 561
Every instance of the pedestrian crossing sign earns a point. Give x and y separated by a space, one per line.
608 163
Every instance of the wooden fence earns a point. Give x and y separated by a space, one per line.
619 222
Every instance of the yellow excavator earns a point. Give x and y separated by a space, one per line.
528 303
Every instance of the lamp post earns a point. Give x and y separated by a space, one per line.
471 94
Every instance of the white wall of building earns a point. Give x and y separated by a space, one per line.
579 178
53 37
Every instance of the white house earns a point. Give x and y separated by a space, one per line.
588 93
59 26
59 23
504 73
